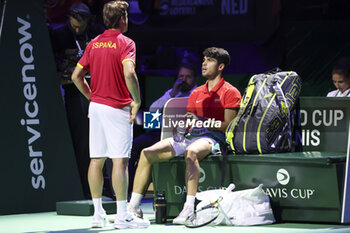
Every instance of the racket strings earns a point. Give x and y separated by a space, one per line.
203 216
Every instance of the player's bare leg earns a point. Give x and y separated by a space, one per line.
195 152
161 151
95 177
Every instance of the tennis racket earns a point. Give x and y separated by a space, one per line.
205 215
209 213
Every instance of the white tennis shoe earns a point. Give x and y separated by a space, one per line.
99 220
186 211
136 211
130 221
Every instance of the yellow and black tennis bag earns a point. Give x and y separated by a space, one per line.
265 120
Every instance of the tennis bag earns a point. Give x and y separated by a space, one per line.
266 116
241 208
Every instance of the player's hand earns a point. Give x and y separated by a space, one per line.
176 87
190 115
133 110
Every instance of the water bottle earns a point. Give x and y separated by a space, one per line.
160 208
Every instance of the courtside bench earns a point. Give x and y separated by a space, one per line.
304 186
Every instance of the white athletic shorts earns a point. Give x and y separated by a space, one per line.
110 132
180 147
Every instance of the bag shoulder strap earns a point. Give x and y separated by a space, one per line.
243 106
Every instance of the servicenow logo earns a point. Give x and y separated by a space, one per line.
30 119
282 176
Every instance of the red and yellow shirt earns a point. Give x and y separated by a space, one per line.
212 104
104 57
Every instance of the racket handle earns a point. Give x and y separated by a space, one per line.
230 188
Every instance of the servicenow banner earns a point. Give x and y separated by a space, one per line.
38 166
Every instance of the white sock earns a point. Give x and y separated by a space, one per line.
98 205
135 199
121 207
190 201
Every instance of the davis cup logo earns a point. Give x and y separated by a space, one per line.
286 192
164 7
282 176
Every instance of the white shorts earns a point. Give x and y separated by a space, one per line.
110 132
180 147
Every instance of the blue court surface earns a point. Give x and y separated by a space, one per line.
51 222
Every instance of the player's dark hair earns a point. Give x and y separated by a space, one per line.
220 54
113 11
342 67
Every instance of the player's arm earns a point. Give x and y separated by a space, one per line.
232 100
133 87
230 113
78 78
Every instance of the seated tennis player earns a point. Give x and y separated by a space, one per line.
215 100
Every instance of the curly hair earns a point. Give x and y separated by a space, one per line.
220 54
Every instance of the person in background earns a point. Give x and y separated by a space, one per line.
110 58
56 11
216 99
341 78
183 86
68 42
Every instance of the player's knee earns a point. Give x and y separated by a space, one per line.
190 155
147 155
121 163
97 163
